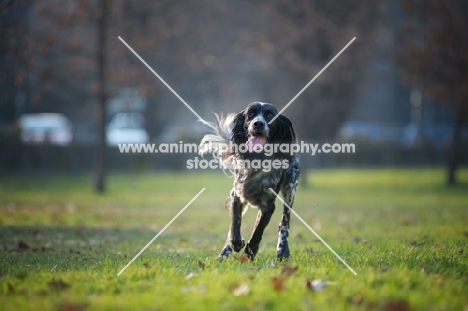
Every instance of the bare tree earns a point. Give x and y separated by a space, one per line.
100 164
312 32
435 55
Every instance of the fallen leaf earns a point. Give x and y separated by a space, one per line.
406 223
147 265
397 305
72 307
244 258
201 265
241 290
310 250
278 283
191 275
47 247
10 288
288 271
357 300
317 285
22 247
425 270
58 285
416 243
38 234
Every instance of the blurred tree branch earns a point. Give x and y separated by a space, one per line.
435 54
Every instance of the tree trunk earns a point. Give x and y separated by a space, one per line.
454 153
100 165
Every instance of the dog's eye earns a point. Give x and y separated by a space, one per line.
250 114
270 114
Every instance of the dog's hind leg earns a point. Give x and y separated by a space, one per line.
288 190
263 219
234 239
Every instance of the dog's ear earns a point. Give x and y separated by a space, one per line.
238 133
282 131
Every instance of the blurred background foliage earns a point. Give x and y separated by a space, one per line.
399 92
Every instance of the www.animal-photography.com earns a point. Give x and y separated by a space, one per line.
234 155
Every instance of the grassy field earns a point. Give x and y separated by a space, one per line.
403 231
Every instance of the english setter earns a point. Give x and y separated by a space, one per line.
239 141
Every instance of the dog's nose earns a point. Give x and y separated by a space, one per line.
259 124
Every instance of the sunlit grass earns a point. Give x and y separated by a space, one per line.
403 231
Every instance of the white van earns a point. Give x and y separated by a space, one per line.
43 128
126 127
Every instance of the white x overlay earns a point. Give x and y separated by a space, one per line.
160 232
313 231
201 119
310 82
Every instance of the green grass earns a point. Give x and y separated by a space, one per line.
403 231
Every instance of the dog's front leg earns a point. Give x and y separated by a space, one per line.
234 240
263 219
282 250
289 190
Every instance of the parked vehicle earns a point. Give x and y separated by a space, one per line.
42 128
126 127
436 135
371 132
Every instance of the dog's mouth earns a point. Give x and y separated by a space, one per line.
256 140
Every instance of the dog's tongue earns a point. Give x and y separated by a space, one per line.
255 140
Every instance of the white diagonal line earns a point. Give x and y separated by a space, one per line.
162 80
316 76
313 231
160 232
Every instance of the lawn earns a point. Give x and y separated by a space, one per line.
403 231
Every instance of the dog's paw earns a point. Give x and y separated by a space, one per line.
283 254
237 245
221 257
225 253
249 253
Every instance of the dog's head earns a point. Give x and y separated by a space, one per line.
251 126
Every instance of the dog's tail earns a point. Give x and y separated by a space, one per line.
218 142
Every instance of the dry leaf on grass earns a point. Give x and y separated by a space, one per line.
317 285
201 265
241 290
58 285
72 307
191 275
397 305
278 283
10 288
244 258
357 300
22 247
288 271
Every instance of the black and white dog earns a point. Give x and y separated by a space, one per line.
250 129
